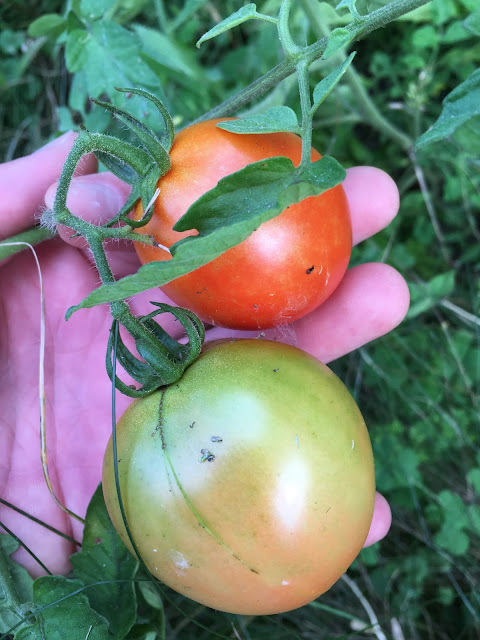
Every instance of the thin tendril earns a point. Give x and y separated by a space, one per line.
40 522
153 580
27 549
41 389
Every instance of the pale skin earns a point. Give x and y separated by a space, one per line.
371 300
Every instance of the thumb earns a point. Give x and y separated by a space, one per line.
23 182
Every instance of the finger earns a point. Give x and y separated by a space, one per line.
371 300
23 183
96 198
381 521
373 198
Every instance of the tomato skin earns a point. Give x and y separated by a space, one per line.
286 504
284 270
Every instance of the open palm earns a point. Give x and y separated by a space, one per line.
371 300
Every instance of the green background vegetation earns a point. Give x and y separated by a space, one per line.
419 387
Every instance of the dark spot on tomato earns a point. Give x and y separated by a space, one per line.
207 456
309 271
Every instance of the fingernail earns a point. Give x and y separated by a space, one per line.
96 201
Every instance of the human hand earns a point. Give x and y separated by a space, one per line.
371 300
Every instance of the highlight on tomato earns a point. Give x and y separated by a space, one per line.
281 272
248 485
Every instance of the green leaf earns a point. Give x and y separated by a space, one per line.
248 12
11 41
470 5
65 119
350 5
110 56
473 512
452 535
258 192
151 594
460 106
76 50
426 295
327 85
274 120
105 558
95 9
338 39
443 11
20 582
50 24
62 612
426 37
472 23
169 53
189 8
456 32
224 217
473 477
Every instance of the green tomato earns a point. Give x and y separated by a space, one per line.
248 485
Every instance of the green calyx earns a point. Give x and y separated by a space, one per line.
163 359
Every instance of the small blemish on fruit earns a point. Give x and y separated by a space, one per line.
207 456
309 271
353 443
192 425
275 370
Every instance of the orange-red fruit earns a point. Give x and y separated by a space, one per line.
284 270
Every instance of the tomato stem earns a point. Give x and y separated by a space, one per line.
307 116
374 20
366 106
289 47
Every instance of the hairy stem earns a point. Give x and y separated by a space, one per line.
306 104
365 104
259 87
290 49
17 243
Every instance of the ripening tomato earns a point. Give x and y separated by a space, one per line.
248 485
284 270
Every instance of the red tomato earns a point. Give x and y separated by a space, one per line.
284 270
248 485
